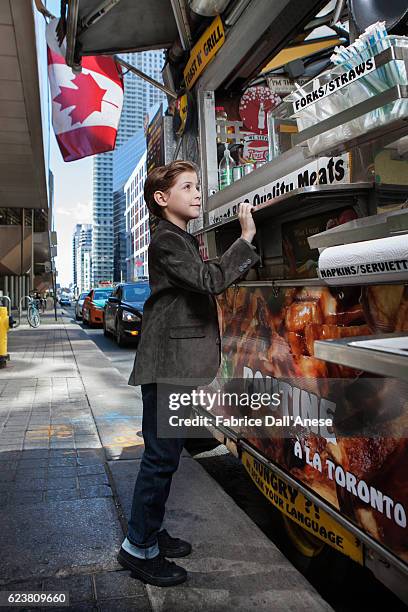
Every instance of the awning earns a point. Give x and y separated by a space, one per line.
306 49
122 26
22 169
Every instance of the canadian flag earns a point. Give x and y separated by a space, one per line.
86 107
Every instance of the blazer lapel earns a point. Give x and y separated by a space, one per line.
189 238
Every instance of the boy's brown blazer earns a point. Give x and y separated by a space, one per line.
180 337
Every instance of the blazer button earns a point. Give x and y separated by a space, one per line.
217 341
248 261
241 268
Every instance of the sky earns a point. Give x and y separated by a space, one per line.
72 195
72 205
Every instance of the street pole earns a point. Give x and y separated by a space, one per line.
32 251
21 281
54 288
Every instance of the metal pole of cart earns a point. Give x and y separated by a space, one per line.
145 77
208 148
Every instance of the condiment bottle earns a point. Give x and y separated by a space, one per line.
225 169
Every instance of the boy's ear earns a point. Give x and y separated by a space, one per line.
160 198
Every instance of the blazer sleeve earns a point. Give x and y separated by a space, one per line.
185 271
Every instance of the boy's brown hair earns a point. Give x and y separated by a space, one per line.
163 179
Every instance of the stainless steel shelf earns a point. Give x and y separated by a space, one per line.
392 53
383 225
291 200
368 353
398 224
296 282
382 134
385 133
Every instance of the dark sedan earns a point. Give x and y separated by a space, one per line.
123 311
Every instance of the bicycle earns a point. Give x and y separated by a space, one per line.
33 313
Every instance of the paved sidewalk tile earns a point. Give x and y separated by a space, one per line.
115 585
41 475
59 525
113 590
43 538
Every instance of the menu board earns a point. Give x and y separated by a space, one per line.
155 153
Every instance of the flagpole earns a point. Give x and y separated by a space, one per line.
147 78
42 9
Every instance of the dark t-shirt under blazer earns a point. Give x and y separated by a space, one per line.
180 337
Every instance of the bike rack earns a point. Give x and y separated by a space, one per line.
20 309
6 297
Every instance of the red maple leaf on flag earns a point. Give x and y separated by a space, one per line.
86 98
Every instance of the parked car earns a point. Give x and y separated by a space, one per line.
78 305
123 311
65 301
92 309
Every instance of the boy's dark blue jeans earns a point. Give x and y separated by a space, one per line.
159 462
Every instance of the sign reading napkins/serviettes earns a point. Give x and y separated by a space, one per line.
372 261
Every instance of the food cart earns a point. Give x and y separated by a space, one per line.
323 320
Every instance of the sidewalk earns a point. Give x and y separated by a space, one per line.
69 454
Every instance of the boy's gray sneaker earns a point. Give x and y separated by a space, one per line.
157 571
172 547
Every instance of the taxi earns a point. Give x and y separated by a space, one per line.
94 303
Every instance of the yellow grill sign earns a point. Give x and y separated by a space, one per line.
203 51
302 511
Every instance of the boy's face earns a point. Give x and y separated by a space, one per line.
183 201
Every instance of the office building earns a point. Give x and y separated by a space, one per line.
87 270
26 194
125 159
75 241
139 97
81 257
137 223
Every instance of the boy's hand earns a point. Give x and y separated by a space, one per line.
248 229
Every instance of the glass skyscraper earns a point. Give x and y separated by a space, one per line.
139 97
125 159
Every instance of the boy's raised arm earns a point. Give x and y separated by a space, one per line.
186 271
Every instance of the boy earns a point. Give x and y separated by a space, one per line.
179 341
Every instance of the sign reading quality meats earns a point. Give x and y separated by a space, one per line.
324 171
